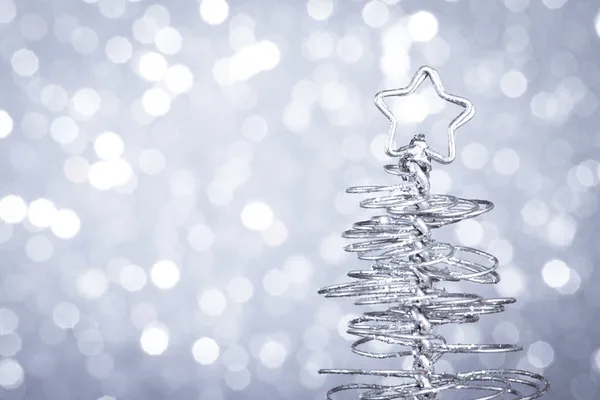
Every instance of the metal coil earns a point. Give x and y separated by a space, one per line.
407 264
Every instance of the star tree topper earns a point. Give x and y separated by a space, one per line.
461 119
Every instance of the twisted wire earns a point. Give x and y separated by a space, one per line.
407 266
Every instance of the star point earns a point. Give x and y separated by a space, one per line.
423 73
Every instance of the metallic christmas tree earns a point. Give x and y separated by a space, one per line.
403 286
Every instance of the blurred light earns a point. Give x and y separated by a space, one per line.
272 354
112 8
65 224
214 12
506 161
474 155
152 161
132 278
276 234
179 79
11 373
84 40
168 40
319 9
540 354
513 84
561 230
275 282
554 4
375 13
165 274
257 216
76 169
8 11
556 273
516 5
350 49
86 102
108 146
54 97
205 351
152 66
212 302
247 62
422 26
33 27
331 249
535 213
38 248
255 128
64 130
9 321
200 237
118 49
469 232
6 123
24 62
413 112
92 283
441 181
512 284
12 209
156 102
155 339
34 125
65 315
240 289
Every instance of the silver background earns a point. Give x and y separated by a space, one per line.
77 320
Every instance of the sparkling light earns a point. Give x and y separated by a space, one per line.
540 354
168 40
205 351
214 12
25 62
513 84
200 237
152 66
212 302
65 224
319 9
8 11
92 283
556 273
422 26
109 146
132 278
156 102
249 61
155 339
86 102
41 213
13 209
272 354
240 289
64 130
257 216
165 274
375 13
6 124
11 373
179 79
118 49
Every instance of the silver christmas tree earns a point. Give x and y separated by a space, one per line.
403 287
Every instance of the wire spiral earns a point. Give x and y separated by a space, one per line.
407 263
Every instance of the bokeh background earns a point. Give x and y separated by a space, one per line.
173 179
